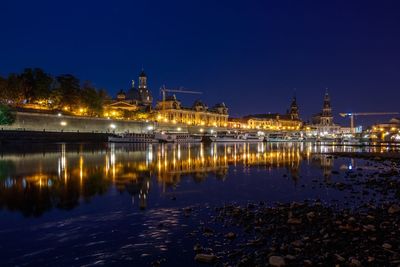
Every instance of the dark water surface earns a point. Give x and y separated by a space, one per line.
69 204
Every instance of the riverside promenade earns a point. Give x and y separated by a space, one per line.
57 128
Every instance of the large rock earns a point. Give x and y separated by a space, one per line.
205 258
230 235
355 263
276 261
394 209
294 221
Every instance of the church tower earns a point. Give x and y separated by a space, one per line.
145 97
326 116
294 109
142 80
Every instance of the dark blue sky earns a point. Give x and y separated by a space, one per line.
249 54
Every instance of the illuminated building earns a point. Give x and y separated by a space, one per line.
172 111
322 123
135 99
389 131
287 122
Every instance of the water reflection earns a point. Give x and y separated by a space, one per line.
36 182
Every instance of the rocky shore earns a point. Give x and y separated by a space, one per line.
310 233
303 234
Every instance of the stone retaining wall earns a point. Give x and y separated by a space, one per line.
53 123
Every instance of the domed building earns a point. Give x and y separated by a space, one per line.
133 100
142 94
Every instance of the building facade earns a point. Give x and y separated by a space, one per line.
389 131
135 99
172 111
289 122
322 123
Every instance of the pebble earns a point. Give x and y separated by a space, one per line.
294 221
276 261
387 246
230 235
394 209
339 258
355 263
205 258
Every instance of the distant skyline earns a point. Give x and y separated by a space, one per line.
250 55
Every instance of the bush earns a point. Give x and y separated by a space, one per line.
6 116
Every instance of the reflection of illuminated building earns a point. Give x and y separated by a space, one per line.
325 162
139 187
37 182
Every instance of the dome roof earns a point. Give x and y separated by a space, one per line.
198 103
121 95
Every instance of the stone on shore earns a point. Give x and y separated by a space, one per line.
205 258
276 261
394 209
230 235
294 221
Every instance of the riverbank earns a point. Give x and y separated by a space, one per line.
50 137
310 233
391 155
301 234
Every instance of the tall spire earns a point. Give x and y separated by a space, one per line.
327 117
142 80
327 103
294 109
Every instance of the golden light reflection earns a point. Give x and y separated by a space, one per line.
132 169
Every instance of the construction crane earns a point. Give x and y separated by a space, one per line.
164 90
352 115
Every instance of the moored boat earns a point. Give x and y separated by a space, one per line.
133 138
277 137
253 137
169 137
225 137
165 137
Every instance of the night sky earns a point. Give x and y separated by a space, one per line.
249 54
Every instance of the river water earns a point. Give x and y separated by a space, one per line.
82 205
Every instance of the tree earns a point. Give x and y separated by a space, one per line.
6 117
42 85
92 99
3 90
67 89
13 92
36 85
